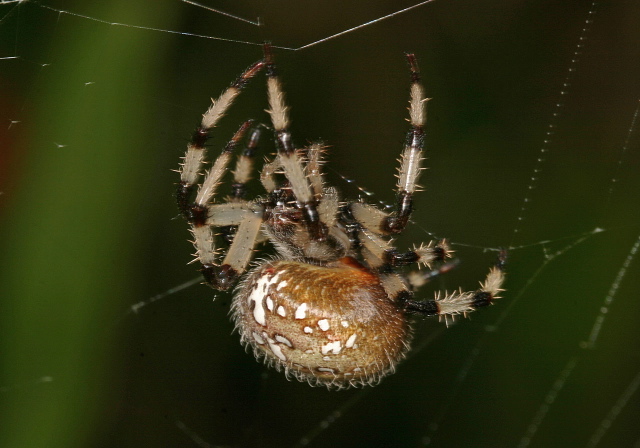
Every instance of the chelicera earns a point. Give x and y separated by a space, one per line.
333 306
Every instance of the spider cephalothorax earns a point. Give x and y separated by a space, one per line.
331 307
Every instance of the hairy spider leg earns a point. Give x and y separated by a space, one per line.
199 212
290 159
315 161
194 157
246 216
462 302
420 277
245 165
409 170
241 176
375 225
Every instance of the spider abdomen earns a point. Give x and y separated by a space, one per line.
332 325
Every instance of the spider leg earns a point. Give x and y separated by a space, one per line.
244 165
212 180
229 214
419 278
290 159
327 199
409 170
380 254
194 156
267 175
314 168
204 217
197 213
241 176
460 302
249 221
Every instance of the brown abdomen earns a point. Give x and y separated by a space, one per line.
332 326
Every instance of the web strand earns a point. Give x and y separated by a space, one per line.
463 372
136 307
256 22
569 368
611 294
547 142
217 11
145 28
623 151
371 22
614 412
547 402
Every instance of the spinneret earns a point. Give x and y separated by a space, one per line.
333 307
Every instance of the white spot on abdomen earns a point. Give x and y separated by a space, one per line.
323 324
351 341
308 330
257 296
334 347
257 337
301 311
284 340
281 311
276 349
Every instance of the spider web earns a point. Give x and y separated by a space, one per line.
532 144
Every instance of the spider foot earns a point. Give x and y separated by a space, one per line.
219 277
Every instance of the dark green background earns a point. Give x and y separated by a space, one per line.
88 228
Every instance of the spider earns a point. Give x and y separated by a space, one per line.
331 308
